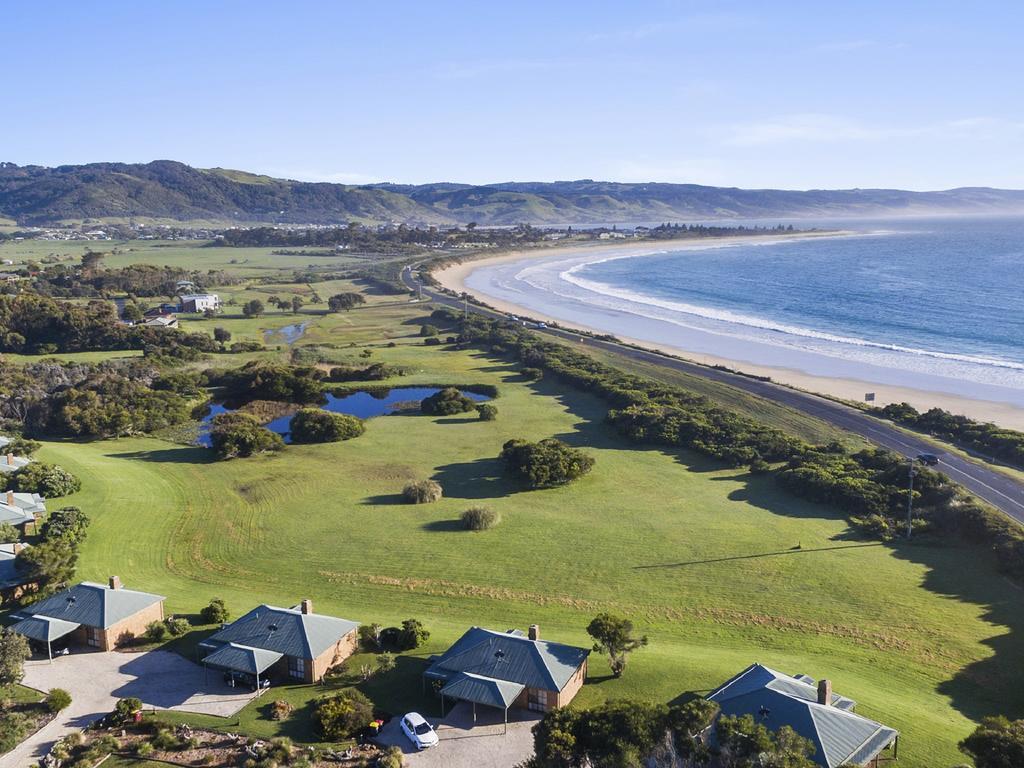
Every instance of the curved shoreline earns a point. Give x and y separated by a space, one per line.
454 277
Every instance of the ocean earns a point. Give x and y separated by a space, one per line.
929 303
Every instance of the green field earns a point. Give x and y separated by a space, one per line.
720 568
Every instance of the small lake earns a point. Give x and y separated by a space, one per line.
288 333
365 405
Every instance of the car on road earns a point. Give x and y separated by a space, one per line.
929 459
419 731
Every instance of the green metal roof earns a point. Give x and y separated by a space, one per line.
483 690
43 629
242 658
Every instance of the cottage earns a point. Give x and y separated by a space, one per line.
10 463
198 302
161 321
509 669
840 737
99 616
270 642
21 509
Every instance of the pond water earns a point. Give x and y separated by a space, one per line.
362 404
288 333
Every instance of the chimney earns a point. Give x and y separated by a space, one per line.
825 692
115 582
534 631
17 547
10 498
10 459
307 606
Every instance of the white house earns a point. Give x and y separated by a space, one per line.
199 302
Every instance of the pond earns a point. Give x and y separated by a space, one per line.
365 405
288 333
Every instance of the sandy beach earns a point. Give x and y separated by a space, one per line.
454 277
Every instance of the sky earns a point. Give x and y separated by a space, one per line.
796 95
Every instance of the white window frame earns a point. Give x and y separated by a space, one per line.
297 667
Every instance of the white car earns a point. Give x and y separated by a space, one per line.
419 731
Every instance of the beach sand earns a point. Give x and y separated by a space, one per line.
453 277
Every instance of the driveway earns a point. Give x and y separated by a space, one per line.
465 745
161 679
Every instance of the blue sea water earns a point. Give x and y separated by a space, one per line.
936 299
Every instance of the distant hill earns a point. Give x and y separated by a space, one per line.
36 195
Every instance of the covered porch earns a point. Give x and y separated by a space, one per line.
485 691
44 631
243 663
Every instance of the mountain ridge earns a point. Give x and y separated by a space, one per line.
165 189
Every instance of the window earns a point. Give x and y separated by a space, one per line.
537 700
297 667
92 637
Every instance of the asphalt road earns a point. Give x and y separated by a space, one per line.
998 489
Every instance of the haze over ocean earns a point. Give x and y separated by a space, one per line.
930 303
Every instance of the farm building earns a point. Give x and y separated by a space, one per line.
282 643
509 669
198 302
96 615
827 720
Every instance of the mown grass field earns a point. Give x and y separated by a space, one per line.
718 567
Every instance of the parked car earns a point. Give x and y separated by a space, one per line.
419 731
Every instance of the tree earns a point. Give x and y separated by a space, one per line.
412 635
49 564
222 335
48 480
446 402
345 301
132 313
238 435
312 425
91 262
8 533
487 412
613 635
68 523
297 304
428 330
275 301
14 652
547 463
342 715
253 308
216 612
996 743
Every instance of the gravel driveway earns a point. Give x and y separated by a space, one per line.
465 745
161 679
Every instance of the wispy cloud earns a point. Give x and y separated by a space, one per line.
822 128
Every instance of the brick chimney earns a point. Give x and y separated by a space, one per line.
825 692
534 631
10 459
307 606
10 498
17 547
115 582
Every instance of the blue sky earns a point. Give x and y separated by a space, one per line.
919 95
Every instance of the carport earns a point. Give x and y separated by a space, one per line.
244 659
43 629
477 689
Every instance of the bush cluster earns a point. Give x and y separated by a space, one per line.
312 425
238 435
487 412
258 380
423 492
546 463
446 402
480 518
47 480
343 714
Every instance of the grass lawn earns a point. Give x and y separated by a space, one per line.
718 567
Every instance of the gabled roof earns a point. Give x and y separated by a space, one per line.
20 508
774 699
483 690
512 657
43 629
9 575
285 630
9 463
94 605
242 658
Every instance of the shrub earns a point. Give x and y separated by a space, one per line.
126 708
487 412
385 662
311 425
446 402
432 341
238 435
480 518
547 463
8 533
13 728
391 758
144 749
532 374
216 612
48 480
428 330
67 523
281 710
423 492
156 632
166 740
178 626
371 636
342 715
412 635
58 700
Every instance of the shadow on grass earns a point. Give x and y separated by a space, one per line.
182 455
479 479
445 526
385 499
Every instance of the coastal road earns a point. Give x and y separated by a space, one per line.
998 489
